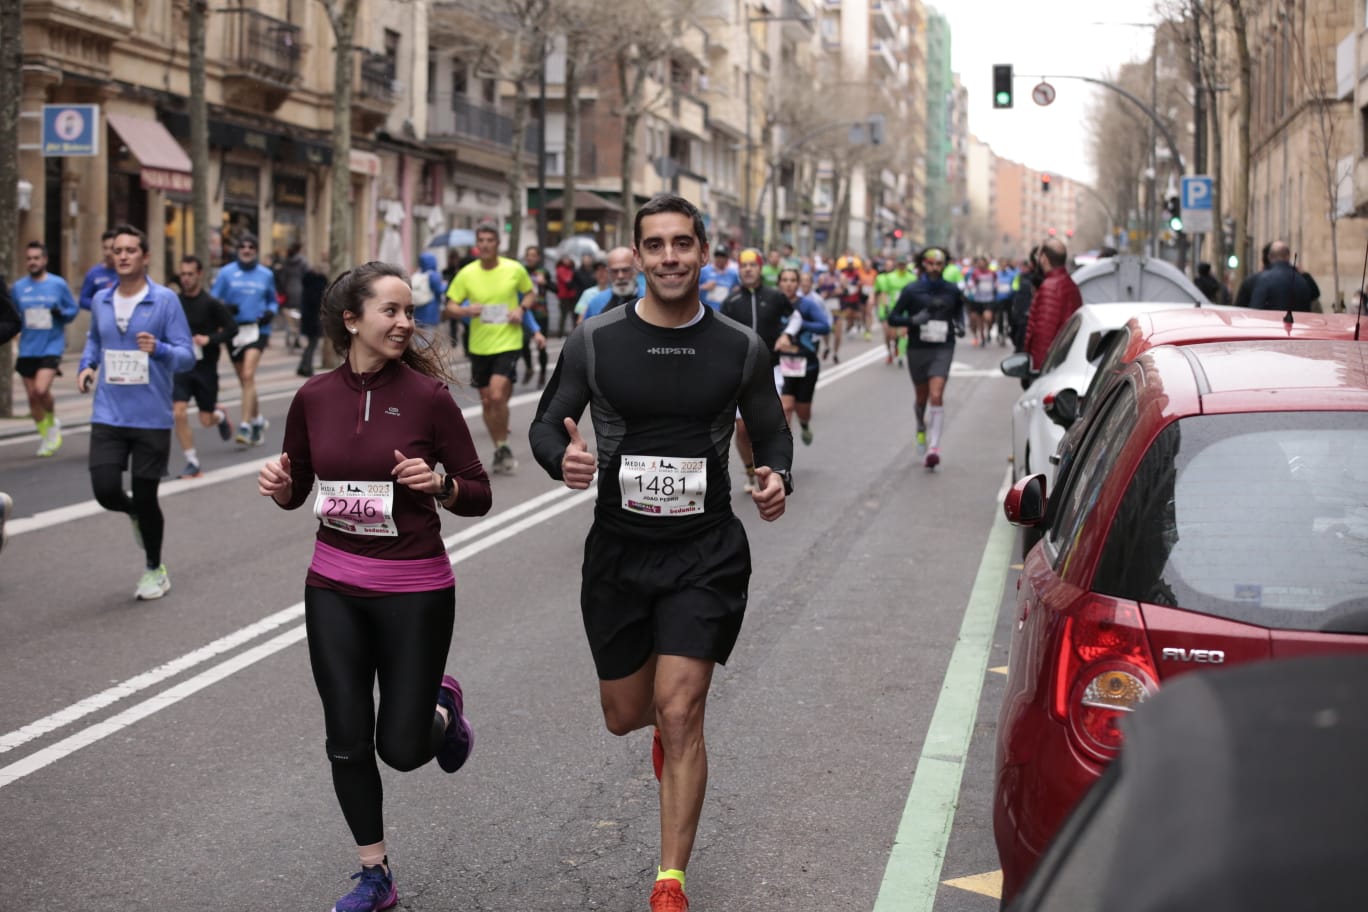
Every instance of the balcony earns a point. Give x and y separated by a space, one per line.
882 56
374 90
688 116
485 134
881 19
261 58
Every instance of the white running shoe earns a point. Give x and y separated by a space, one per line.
153 584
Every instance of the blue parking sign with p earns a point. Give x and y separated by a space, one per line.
1196 192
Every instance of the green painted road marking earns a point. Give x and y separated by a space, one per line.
914 864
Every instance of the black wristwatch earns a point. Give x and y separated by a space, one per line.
787 478
448 488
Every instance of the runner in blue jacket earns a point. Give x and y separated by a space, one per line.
139 339
47 307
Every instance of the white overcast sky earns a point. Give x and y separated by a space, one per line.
1042 37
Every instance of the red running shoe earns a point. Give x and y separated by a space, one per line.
668 896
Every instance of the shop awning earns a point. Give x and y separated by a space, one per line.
585 201
165 166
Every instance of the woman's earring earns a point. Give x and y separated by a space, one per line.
352 330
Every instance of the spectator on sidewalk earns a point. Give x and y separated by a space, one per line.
1055 301
314 284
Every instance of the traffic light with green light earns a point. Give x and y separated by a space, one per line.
1174 207
1002 85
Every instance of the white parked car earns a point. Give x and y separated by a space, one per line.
1069 367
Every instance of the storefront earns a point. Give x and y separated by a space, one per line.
241 208
290 210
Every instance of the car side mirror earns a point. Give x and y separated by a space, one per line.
1018 365
1024 504
1063 407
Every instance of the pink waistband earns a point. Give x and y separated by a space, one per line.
381 575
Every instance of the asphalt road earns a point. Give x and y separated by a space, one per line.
169 754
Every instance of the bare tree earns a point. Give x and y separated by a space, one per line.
1119 160
342 18
1243 114
1314 62
645 35
199 133
11 76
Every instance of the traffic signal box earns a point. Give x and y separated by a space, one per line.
1002 85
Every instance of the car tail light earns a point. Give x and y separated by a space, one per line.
1103 671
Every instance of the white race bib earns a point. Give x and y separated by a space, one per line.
124 367
494 313
247 333
199 352
718 293
37 318
793 365
663 485
357 507
935 330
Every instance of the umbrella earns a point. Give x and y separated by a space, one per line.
1238 789
576 247
456 237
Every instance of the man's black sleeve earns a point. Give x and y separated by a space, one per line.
565 396
901 314
227 328
1246 291
10 321
764 416
1313 291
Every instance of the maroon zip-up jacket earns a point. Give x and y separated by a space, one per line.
344 426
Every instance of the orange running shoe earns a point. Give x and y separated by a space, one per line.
657 754
668 896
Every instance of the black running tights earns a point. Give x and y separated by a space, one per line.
402 639
107 484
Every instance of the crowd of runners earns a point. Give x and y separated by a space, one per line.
673 345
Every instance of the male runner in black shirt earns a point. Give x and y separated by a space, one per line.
211 325
667 563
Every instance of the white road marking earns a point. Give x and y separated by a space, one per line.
543 508
103 729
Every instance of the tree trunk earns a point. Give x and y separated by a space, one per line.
1243 243
840 214
517 182
342 16
570 159
631 79
11 76
199 135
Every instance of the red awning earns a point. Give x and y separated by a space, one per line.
165 166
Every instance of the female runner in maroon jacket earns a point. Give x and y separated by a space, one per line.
379 599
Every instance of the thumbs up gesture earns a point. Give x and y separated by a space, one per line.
274 479
578 464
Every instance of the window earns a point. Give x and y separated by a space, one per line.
459 82
432 76
489 91
1059 350
1255 517
1079 492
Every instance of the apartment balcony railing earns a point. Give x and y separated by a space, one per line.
262 57
374 90
460 118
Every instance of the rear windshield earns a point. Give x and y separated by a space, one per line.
1259 518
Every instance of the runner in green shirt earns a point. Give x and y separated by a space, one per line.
887 287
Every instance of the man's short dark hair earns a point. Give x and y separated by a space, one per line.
191 258
248 238
134 232
487 228
36 245
669 202
109 235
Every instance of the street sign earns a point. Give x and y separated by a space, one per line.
1043 94
1195 197
71 130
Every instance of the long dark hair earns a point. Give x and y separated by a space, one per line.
349 292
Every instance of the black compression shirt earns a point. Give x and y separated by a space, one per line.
764 310
663 394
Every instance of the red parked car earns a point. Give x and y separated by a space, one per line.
1213 513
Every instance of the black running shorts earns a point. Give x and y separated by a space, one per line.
642 598
237 354
483 367
200 383
802 388
923 363
28 368
148 448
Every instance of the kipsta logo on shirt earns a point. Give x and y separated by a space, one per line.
392 410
